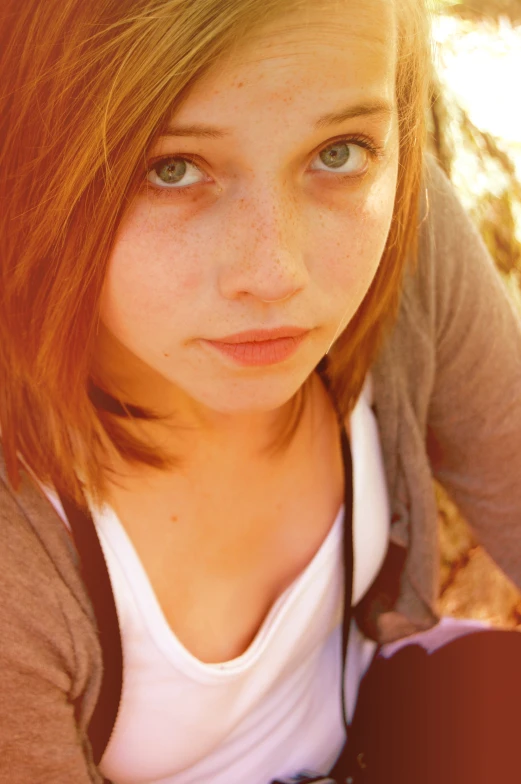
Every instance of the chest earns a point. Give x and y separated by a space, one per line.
218 558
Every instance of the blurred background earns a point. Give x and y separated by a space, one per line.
475 132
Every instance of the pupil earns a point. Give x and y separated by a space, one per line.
172 171
336 155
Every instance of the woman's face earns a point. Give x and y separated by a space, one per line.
266 208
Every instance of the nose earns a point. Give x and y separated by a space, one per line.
264 257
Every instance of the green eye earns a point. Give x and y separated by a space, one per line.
171 171
175 173
336 155
344 156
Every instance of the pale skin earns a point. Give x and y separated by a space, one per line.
259 232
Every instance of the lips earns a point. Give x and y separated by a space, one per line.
259 347
261 335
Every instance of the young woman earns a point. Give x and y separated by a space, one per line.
227 268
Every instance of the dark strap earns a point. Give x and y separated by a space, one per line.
97 581
348 558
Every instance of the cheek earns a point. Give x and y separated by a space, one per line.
150 274
349 243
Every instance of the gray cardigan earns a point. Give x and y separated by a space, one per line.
447 395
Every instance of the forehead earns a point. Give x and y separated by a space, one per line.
320 50
354 24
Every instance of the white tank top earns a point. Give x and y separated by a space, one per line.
272 711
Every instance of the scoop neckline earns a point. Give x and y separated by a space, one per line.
116 538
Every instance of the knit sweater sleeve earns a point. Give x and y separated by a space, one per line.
474 417
40 668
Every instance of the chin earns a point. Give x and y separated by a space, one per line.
249 398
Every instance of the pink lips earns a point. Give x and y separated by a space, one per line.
258 347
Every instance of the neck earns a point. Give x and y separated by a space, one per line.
250 439
193 428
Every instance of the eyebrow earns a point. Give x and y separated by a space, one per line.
200 131
361 110
333 118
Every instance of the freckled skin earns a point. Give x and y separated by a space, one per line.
263 240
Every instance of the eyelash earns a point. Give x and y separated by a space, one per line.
375 150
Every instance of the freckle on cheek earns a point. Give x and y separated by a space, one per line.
190 282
